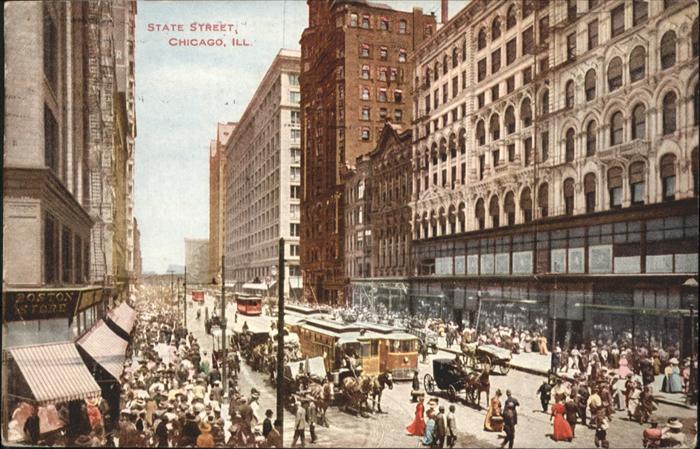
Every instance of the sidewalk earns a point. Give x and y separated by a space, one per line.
534 363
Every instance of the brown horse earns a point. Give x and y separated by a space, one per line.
378 384
322 394
356 391
483 384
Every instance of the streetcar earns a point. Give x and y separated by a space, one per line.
249 300
197 295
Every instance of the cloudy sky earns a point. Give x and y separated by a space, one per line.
182 92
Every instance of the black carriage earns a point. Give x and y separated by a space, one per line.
452 378
495 357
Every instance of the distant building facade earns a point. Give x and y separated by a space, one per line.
197 261
217 186
355 77
263 177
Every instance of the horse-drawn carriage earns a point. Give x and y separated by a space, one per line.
479 356
452 377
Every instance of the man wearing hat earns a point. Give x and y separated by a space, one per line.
300 423
190 430
246 412
509 425
673 433
440 427
652 435
205 438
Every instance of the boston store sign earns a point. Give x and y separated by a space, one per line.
39 304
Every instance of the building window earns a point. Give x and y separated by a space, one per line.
383 53
398 115
365 113
353 20
617 128
694 36
592 35
397 96
615 187
294 97
569 89
511 19
365 93
571 47
293 79
569 145
511 50
295 155
295 135
364 51
481 39
494 93
640 12
494 211
668 50
526 113
294 192
511 152
591 131
50 250
637 182
496 158
445 93
293 250
295 118
615 74
527 8
294 211
364 74
51 49
527 75
481 70
527 143
402 55
482 166
569 196
364 133
526 205
384 24
589 189
571 9
543 200
365 21
510 120
544 141
382 112
382 74
455 86
402 27
480 133
510 84
480 213
51 140
668 177
637 63
495 127
295 174
528 41
617 21
480 100
544 30
590 84
495 29
545 102
639 122
496 61
669 113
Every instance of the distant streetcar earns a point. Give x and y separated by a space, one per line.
249 300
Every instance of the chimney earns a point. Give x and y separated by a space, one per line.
443 11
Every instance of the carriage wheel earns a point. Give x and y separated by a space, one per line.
452 393
486 360
429 384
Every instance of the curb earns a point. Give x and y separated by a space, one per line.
540 372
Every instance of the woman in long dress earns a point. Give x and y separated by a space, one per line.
429 429
672 378
562 429
494 410
417 427
623 367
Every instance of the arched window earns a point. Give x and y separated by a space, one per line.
668 177
569 145
494 211
526 205
480 213
462 141
667 50
543 199
590 85
545 102
443 221
510 120
511 19
569 94
589 189
436 71
694 38
526 113
637 63
669 113
527 8
480 133
617 128
614 74
509 208
636 176
615 187
591 140
569 196
494 127
481 39
365 72
495 29
402 27
461 215
444 64
639 122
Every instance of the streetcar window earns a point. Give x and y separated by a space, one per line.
365 350
375 348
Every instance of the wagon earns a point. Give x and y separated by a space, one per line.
480 355
451 378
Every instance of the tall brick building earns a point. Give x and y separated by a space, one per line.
355 77
217 185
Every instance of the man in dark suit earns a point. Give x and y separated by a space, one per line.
509 426
511 400
440 428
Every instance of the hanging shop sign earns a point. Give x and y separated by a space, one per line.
42 304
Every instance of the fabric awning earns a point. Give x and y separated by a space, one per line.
124 317
55 373
106 348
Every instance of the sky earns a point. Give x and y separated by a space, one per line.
183 91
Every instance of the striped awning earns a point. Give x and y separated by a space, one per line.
123 316
106 348
55 373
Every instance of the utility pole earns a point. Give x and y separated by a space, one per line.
184 298
280 338
224 352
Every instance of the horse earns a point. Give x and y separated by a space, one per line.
356 390
378 384
322 394
483 385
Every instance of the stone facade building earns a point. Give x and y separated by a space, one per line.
355 76
138 259
217 185
555 167
197 261
358 226
263 177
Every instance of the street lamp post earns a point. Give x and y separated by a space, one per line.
224 349
280 338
